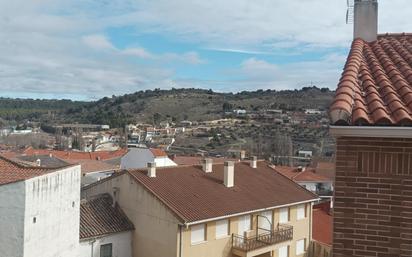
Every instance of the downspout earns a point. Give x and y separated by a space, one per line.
180 240
92 243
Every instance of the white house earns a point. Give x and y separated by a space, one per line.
39 210
137 158
105 231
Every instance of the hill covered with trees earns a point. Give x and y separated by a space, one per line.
156 105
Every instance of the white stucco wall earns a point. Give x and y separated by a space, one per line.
92 177
54 200
12 200
137 158
164 162
121 245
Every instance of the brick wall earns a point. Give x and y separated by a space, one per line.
373 198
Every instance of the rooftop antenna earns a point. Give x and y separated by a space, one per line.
349 12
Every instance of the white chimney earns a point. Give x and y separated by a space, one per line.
151 169
38 162
229 176
365 20
207 165
253 162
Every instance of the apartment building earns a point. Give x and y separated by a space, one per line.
39 210
372 120
212 210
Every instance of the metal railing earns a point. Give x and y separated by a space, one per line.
281 234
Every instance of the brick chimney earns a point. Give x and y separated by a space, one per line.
151 169
365 20
229 174
253 162
207 164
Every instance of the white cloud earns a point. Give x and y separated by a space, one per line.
59 47
138 52
98 42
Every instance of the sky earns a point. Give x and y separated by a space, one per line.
88 49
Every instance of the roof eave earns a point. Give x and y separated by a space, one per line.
250 212
370 131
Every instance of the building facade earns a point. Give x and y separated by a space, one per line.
205 211
371 119
39 210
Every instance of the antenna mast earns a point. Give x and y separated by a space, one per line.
349 12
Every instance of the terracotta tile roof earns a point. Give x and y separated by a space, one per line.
88 166
11 171
158 152
65 155
99 217
307 175
376 84
196 160
322 227
46 161
194 195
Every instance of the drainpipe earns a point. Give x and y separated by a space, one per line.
180 240
92 243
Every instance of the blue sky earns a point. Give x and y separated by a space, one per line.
87 49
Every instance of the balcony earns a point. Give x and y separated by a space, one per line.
251 243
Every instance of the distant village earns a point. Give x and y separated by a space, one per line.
270 183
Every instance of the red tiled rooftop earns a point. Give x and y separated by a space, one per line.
196 160
11 171
194 195
322 227
65 155
88 166
158 152
99 217
307 175
376 84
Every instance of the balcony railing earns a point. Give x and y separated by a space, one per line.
281 234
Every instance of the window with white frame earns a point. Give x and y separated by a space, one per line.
284 251
301 212
284 215
222 228
198 233
244 224
300 246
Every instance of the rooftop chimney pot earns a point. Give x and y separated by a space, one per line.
366 20
229 174
207 165
151 169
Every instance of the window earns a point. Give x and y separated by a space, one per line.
300 246
106 250
284 215
198 233
265 221
284 251
301 212
222 228
244 224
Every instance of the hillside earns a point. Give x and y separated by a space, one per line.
157 105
